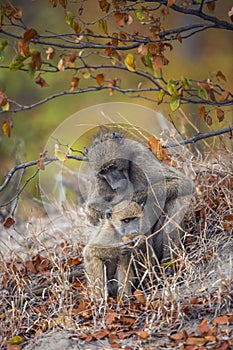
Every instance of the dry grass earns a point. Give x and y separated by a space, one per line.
44 287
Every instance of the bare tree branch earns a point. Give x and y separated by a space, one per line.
46 161
199 137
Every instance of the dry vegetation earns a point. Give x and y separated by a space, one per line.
44 288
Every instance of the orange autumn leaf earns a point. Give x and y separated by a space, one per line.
170 2
122 18
6 127
224 96
8 222
179 336
30 266
157 62
220 114
74 83
210 338
143 334
100 79
101 334
74 261
40 164
30 34
40 81
203 327
63 3
194 340
36 60
104 5
82 307
202 111
3 98
209 120
179 38
23 48
139 297
220 75
220 320
156 147
229 217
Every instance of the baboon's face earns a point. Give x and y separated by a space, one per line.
116 173
129 226
125 226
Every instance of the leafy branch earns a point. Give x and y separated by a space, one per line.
139 54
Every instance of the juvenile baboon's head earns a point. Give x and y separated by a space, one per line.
126 217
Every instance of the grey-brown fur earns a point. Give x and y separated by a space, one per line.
160 189
106 267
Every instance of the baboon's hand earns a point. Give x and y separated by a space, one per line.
132 244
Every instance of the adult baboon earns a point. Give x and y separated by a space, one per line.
124 169
104 260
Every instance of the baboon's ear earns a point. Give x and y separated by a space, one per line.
108 213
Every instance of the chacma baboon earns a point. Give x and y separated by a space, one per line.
104 262
124 169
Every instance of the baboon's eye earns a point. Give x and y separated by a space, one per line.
116 135
126 220
103 172
108 169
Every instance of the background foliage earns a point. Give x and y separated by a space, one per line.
58 57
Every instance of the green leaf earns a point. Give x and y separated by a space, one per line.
185 83
20 58
171 86
148 60
161 96
3 44
15 65
69 19
86 74
17 339
202 93
103 26
174 103
140 14
6 107
2 47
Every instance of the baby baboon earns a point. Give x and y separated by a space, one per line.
123 169
104 261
